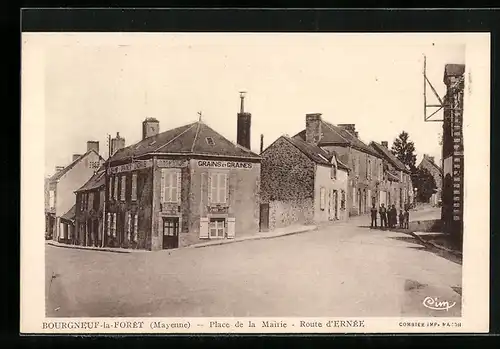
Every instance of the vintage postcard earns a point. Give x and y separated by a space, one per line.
255 183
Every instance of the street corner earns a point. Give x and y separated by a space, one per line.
425 300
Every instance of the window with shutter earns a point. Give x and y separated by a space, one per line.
51 199
115 193
178 185
231 227
123 188
322 198
203 228
110 186
218 188
91 201
353 197
133 195
171 183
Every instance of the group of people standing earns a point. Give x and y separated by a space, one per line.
389 217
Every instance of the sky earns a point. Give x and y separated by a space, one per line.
99 84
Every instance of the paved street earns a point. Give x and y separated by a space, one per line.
339 270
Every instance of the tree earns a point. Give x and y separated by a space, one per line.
425 183
404 150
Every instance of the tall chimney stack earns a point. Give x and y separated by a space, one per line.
385 144
243 125
261 143
150 127
313 128
117 143
93 145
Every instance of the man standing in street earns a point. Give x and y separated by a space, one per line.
394 216
374 217
383 216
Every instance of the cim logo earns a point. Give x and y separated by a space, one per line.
436 304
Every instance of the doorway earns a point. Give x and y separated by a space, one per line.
264 217
359 201
334 205
170 232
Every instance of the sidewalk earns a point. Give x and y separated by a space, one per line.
295 229
438 240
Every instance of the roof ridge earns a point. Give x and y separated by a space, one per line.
173 139
291 140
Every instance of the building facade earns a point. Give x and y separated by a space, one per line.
180 187
89 211
396 187
437 173
366 165
302 184
453 151
62 185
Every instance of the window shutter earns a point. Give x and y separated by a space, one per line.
178 187
129 218
162 186
209 182
114 224
110 187
109 224
223 183
134 187
135 227
227 179
231 225
203 228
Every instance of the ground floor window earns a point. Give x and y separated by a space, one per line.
217 228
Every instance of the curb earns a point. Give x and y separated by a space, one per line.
77 247
253 238
439 247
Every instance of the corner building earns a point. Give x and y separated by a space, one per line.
181 187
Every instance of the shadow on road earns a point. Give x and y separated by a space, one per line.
428 248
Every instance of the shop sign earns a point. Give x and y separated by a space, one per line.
136 165
225 164
171 163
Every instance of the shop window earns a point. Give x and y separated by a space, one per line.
217 228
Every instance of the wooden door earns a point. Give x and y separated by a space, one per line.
264 217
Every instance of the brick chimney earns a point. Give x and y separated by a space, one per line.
150 128
117 143
313 128
93 145
244 124
351 128
385 144
75 156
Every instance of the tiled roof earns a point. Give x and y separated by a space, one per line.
96 181
389 156
335 135
70 215
314 152
65 170
432 164
393 176
195 138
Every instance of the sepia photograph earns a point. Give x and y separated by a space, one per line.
225 175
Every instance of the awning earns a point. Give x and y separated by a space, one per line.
70 215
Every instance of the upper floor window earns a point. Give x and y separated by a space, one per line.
115 192
123 187
170 183
218 188
333 173
133 195
51 199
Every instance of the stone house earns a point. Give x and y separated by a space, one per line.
397 187
62 185
365 163
437 173
302 184
89 211
181 187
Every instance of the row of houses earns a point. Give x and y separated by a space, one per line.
189 184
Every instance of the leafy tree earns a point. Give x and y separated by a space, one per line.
425 183
404 150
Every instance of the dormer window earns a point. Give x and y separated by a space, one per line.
210 141
334 171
